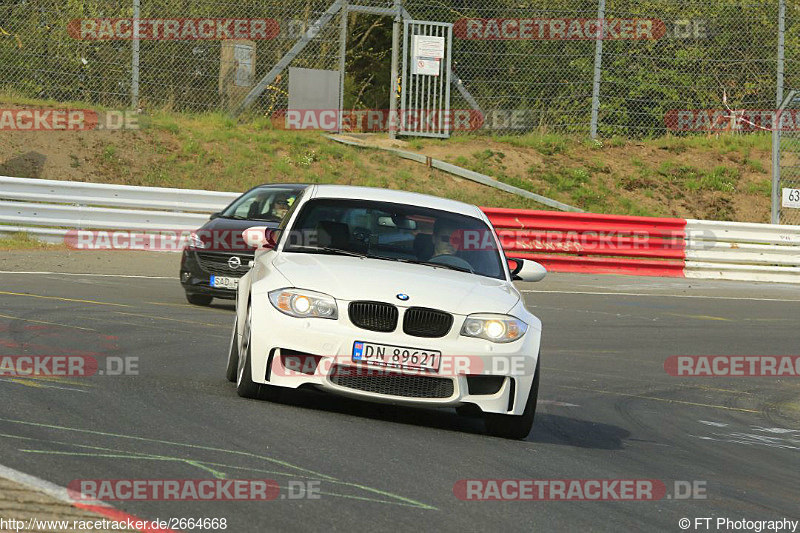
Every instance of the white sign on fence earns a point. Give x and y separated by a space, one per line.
243 55
427 53
423 65
428 47
791 198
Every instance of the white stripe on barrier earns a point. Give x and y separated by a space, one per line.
742 251
708 230
102 194
788 257
695 269
49 235
71 216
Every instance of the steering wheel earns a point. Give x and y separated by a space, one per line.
362 237
452 260
362 234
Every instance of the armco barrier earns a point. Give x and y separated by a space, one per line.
47 209
740 251
592 243
107 195
562 242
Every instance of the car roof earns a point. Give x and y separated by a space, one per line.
396 197
297 186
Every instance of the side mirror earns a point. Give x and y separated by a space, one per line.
526 270
214 215
259 237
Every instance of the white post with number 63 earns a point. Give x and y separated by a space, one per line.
791 198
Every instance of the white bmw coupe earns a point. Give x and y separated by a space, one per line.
391 297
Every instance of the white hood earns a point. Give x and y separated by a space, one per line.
354 278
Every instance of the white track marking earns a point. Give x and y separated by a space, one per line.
89 274
41 485
715 424
556 403
38 385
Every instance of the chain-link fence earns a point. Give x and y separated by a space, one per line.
542 59
787 164
634 68
84 50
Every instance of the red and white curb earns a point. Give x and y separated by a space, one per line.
60 493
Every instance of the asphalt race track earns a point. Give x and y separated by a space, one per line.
607 410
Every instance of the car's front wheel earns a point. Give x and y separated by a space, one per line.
515 426
233 354
245 386
199 299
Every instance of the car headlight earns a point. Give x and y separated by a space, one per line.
495 328
304 304
195 241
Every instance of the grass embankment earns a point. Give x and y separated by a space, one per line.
723 177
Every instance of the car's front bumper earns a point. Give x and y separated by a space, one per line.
281 344
195 275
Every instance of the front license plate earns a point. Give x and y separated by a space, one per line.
221 282
396 356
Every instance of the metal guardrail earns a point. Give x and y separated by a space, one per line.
461 172
585 242
106 195
563 242
741 251
593 243
47 209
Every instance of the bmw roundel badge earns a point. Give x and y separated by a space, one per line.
403 297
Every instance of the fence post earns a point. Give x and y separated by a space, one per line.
598 66
342 62
776 133
398 6
135 55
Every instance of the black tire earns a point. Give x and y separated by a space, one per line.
199 299
245 387
233 354
515 426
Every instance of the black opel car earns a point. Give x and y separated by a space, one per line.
216 256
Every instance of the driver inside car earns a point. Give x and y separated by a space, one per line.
443 231
280 207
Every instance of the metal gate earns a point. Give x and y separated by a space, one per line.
425 83
786 199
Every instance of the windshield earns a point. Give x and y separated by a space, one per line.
263 203
396 232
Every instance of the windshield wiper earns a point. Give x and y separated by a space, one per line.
325 250
233 217
428 263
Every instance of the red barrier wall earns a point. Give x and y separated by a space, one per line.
592 243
